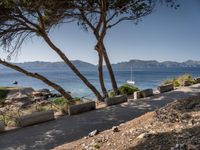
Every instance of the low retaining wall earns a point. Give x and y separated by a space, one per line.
35 118
143 93
115 100
76 109
137 95
197 80
147 93
2 126
166 88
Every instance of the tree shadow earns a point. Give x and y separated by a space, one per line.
67 129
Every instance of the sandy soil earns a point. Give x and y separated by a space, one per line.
174 127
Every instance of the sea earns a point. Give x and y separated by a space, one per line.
144 78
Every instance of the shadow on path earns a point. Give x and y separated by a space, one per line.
51 134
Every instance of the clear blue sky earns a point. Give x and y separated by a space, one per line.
166 34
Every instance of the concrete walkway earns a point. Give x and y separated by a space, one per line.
51 134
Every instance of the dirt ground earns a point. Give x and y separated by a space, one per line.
173 127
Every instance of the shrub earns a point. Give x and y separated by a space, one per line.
59 101
178 81
125 89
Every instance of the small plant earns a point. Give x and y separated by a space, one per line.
125 89
59 101
178 81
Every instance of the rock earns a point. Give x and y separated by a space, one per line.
185 116
93 133
191 122
44 91
21 98
59 113
43 103
8 101
177 146
115 129
108 144
56 95
13 92
37 94
141 136
22 104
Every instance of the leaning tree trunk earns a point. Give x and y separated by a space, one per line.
40 77
100 72
73 68
109 67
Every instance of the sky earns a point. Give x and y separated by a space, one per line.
165 35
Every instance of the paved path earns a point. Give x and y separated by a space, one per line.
51 134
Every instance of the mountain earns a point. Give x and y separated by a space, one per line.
155 64
118 66
56 65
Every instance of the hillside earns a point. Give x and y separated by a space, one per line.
155 64
118 66
174 127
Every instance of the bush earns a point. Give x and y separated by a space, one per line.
125 89
59 101
179 80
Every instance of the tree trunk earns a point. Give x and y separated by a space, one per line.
100 72
109 67
73 68
40 77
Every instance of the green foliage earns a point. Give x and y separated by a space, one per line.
125 89
59 101
178 81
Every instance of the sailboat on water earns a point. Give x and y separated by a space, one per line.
131 82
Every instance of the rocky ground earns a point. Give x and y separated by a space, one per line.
174 127
25 97
22 101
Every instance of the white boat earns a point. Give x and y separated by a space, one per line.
131 82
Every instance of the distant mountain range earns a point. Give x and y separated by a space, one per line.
118 66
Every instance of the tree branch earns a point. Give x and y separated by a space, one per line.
40 77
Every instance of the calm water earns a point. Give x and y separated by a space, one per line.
144 78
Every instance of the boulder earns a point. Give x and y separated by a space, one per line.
166 88
93 133
115 100
2 126
147 93
80 108
115 129
13 92
37 94
35 118
44 91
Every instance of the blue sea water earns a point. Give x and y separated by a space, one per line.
144 78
